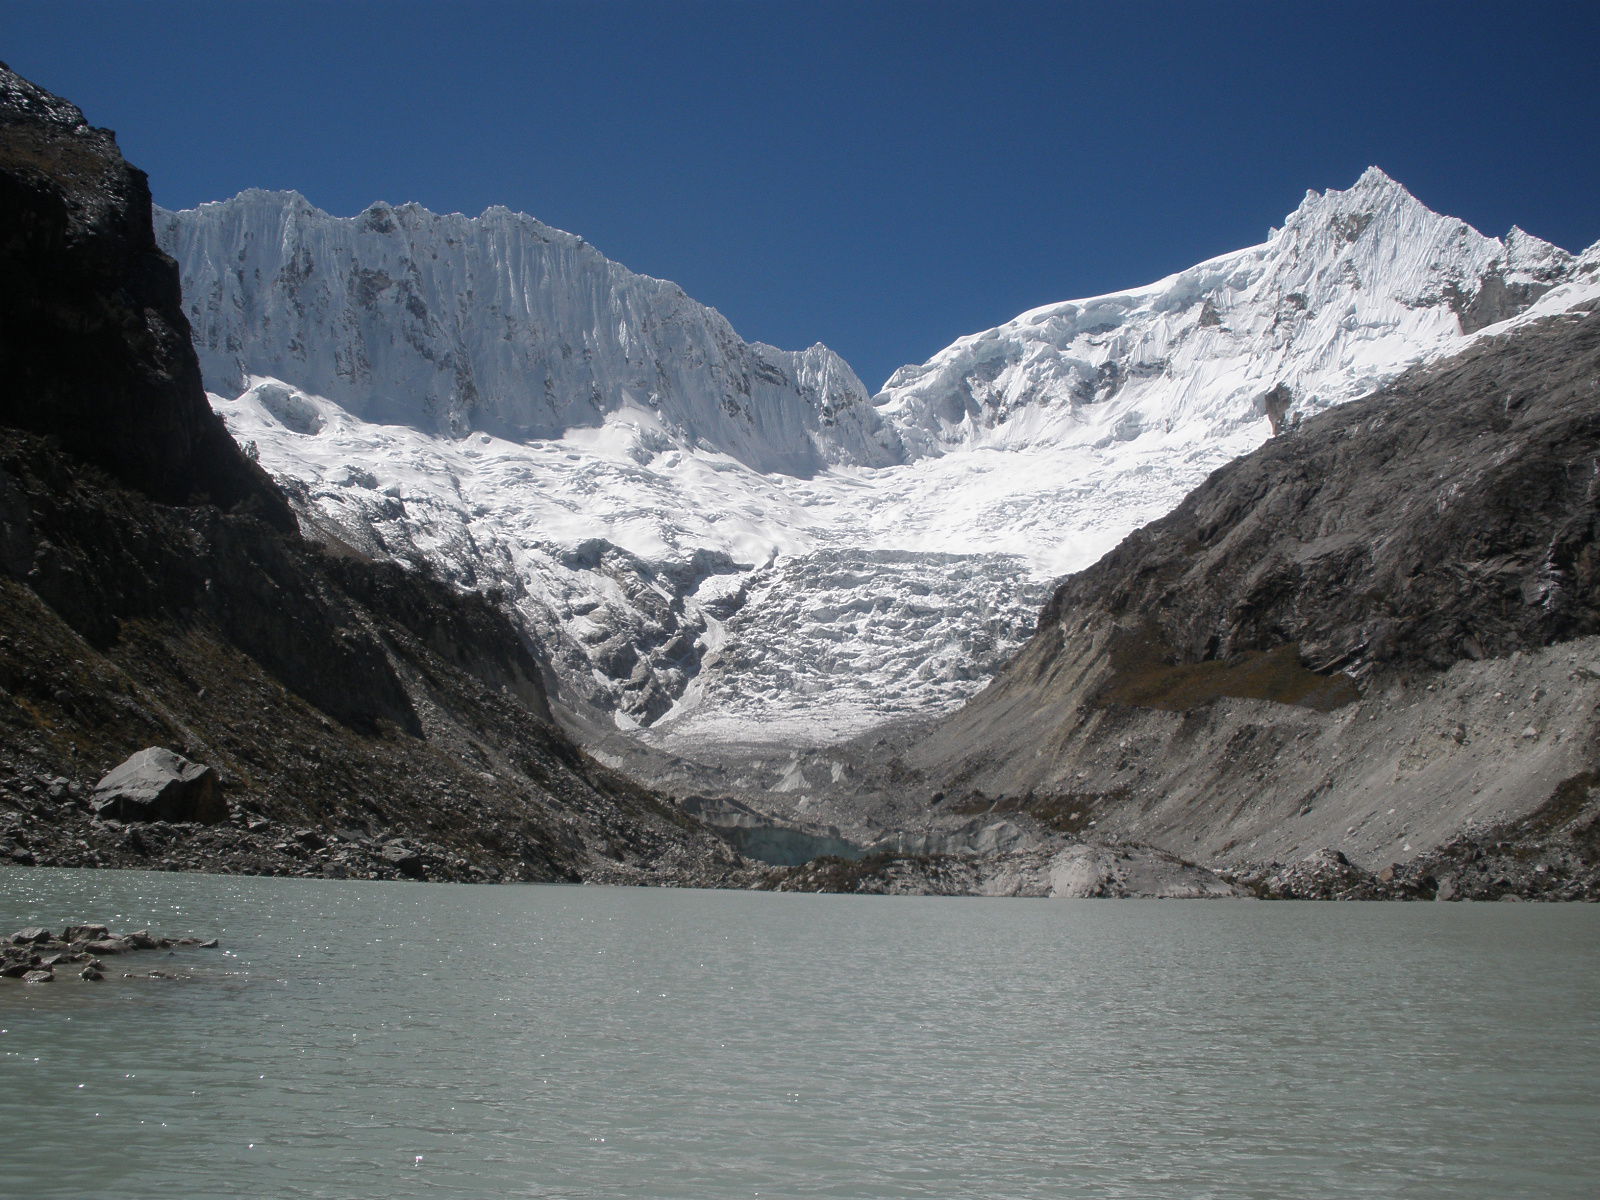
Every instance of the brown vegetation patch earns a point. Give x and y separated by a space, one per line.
1143 678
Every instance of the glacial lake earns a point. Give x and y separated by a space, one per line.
356 1040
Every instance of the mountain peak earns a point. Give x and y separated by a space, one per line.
23 101
1375 178
1356 284
1374 188
1375 193
284 199
1527 252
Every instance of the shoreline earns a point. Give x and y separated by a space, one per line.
1476 866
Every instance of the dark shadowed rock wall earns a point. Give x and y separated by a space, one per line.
1454 515
94 346
154 591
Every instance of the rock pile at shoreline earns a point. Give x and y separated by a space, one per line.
1476 865
247 844
36 954
1058 869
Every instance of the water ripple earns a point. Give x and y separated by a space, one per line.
404 1039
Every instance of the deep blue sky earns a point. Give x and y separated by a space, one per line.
883 177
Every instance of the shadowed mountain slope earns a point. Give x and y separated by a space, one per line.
1374 632
366 719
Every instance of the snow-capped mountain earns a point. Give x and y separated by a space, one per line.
496 324
727 542
1353 285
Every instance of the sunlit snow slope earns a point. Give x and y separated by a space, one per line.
498 324
727 542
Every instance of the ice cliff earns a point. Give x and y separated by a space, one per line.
498 324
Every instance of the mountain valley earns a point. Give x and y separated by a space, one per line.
1283 565
724 543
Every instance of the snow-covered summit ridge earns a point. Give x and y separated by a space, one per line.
701 575
500 324
1354 286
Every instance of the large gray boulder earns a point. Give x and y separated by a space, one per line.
159 785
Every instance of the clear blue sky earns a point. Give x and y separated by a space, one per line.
882 177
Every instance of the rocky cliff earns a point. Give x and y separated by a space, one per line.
1377 632
365 719
95 349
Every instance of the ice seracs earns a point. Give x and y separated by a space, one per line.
687 591
718 540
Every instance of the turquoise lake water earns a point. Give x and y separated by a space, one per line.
356 1040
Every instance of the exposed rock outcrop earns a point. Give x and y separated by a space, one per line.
153 592
158 785
1375 631
36 955
95 347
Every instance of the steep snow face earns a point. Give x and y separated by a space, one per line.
498 324
747 549
1355 286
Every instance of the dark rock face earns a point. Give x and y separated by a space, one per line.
158 785
1374 634
1452 515
94 346
403 859
1495 301
154 592
104 562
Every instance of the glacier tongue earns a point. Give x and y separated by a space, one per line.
686 590
725 542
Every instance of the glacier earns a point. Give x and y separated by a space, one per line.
498 324
718 543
